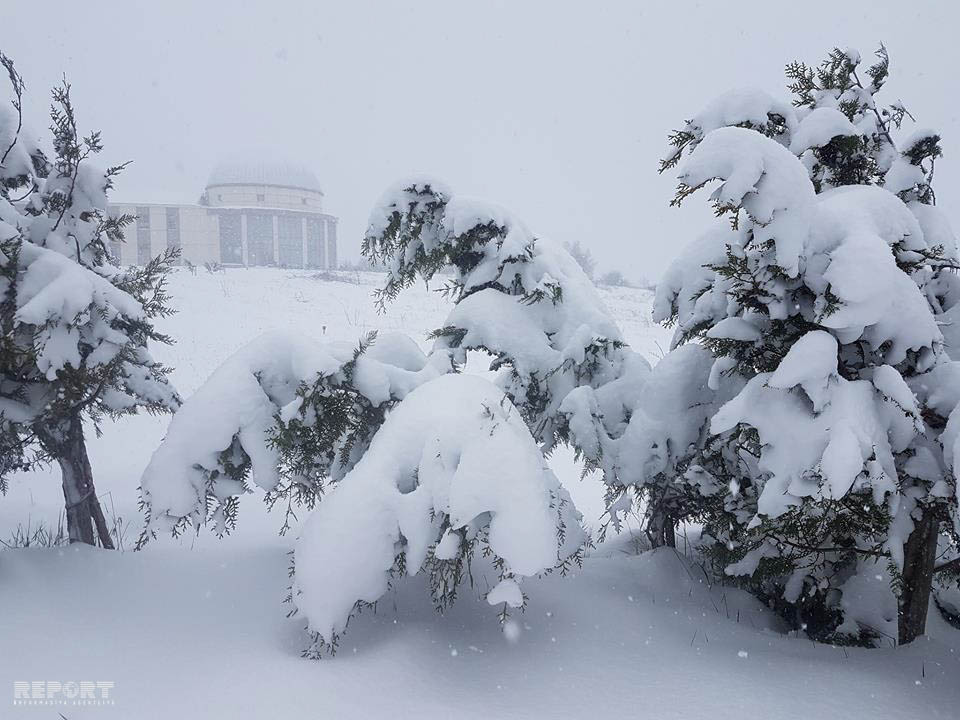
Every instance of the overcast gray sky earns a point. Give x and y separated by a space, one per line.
558 110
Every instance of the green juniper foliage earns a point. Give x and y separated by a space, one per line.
315 447
328 435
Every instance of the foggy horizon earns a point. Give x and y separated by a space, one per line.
556 111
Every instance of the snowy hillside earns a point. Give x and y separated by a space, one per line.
195 627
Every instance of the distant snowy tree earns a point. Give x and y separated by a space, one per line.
583 256
74 328
613 278
832 447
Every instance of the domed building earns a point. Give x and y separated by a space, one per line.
263 214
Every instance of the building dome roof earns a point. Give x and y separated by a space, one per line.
264 173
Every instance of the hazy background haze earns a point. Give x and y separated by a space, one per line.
558 110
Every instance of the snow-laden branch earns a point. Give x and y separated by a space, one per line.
285 413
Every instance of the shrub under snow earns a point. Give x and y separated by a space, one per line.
450 469
452 472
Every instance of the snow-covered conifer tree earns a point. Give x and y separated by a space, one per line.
820 306
521 299
75 328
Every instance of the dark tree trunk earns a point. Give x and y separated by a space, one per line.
85 521
919 554
670 532
661 530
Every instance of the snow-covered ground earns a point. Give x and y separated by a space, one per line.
196 627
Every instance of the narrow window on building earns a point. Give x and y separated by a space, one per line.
260 239
231 241
316 255
290 240
332 244
143 235
260 198
173 230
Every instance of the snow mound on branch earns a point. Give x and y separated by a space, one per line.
903 175
857 228
54 286
936 228
506 591
740 106
763 178
392 367
819 127
498 321
811 362
454 455
681 291
745 107
939 389
239 400
537 336
848 445
734 328
53 292
665 426
917 137
597 417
